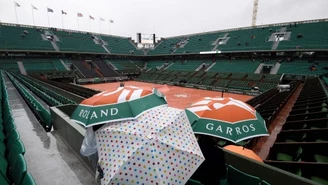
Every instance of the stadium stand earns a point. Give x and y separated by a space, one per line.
185 65
82 42
48 96
86 69
9 64
23 38
300 146
120 45
13 167
104 68
235 66
38 109
79 90
303 67
302 35
307 36
43 65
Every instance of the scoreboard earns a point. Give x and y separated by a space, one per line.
146 40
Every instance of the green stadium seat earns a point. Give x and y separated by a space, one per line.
12 138
18 170
3 179
237 177
16 149
28 180
2 148
2 136
3 165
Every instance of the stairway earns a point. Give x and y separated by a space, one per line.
99 73
55 46
259 68
275 68
64 64
21 68
209 67
265 143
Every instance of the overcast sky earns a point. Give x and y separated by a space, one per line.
163 17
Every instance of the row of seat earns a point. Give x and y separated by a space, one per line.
50 97
271 107
79 90
13 168
38 109
303 140
44 96
207 79
262 97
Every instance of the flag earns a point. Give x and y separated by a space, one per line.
50 10
64 12
16 4
91 17
79 15
111 21
33 7
101 19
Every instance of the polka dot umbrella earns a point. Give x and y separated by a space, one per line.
125 103
226 118
159 147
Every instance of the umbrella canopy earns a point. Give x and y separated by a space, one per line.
125 103
244 152
226 118
157 148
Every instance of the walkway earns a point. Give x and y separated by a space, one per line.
265 143
49 160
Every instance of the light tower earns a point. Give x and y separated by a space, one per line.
254 16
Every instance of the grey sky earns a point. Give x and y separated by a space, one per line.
163 17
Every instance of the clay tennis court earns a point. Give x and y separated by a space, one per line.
178 97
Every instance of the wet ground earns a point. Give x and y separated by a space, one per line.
48 158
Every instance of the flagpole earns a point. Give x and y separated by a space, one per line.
78 24
62 19
33 16
109 26
89 25
48 18
16 12
100 26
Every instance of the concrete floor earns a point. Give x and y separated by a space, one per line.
48 158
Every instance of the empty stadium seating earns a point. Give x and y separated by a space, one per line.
13 167
79 90
86 69
235 66
302 67
185 65
120 45
302 36
301 145
104 68
248 39
43 65
13 38
81 42
9 64
313 36
48 96
37 108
